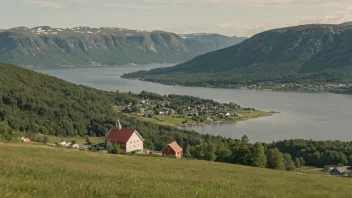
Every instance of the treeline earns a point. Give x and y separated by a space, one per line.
317 153
244 153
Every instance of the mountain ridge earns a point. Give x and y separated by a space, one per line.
306 54
44 46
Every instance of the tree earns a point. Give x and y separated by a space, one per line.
275 159
224 154
88 141
301 161
258 156
297 163
289 165
187 152
180 111
203 151
245 139
241 154
45 140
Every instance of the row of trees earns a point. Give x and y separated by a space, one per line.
317 153
244 153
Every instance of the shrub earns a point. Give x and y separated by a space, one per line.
115 149
45 140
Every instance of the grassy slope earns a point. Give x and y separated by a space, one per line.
31 171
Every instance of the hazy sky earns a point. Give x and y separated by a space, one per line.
229 17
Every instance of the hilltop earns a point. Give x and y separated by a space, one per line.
33 171
317 53
46 46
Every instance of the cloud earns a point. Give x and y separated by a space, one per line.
131 6
252 3
47 4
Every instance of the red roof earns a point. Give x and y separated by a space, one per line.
174 146
120 136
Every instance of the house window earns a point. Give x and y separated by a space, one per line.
130 142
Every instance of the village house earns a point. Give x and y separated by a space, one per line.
129 140
65 144
338 171
172 149
25 140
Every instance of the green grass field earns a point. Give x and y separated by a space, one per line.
53 139
39 171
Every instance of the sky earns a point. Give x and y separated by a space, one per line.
228 17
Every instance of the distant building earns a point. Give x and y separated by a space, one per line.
129 140
25 140
65 144
337 171
172 149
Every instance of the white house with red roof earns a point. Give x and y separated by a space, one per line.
129 140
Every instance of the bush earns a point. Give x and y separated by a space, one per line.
115 149
45 140
88 141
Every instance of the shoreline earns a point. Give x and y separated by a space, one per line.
225 122
92 66
241 88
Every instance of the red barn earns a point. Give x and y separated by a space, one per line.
172 149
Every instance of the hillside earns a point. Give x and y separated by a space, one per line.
31 171
45 46
300 54
35 103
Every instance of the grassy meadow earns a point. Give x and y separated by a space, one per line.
39 171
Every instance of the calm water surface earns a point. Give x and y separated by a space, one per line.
318 116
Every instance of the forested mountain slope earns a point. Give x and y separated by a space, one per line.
33 102
307 54
85 46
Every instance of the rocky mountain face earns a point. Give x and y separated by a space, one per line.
314 53
85 46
